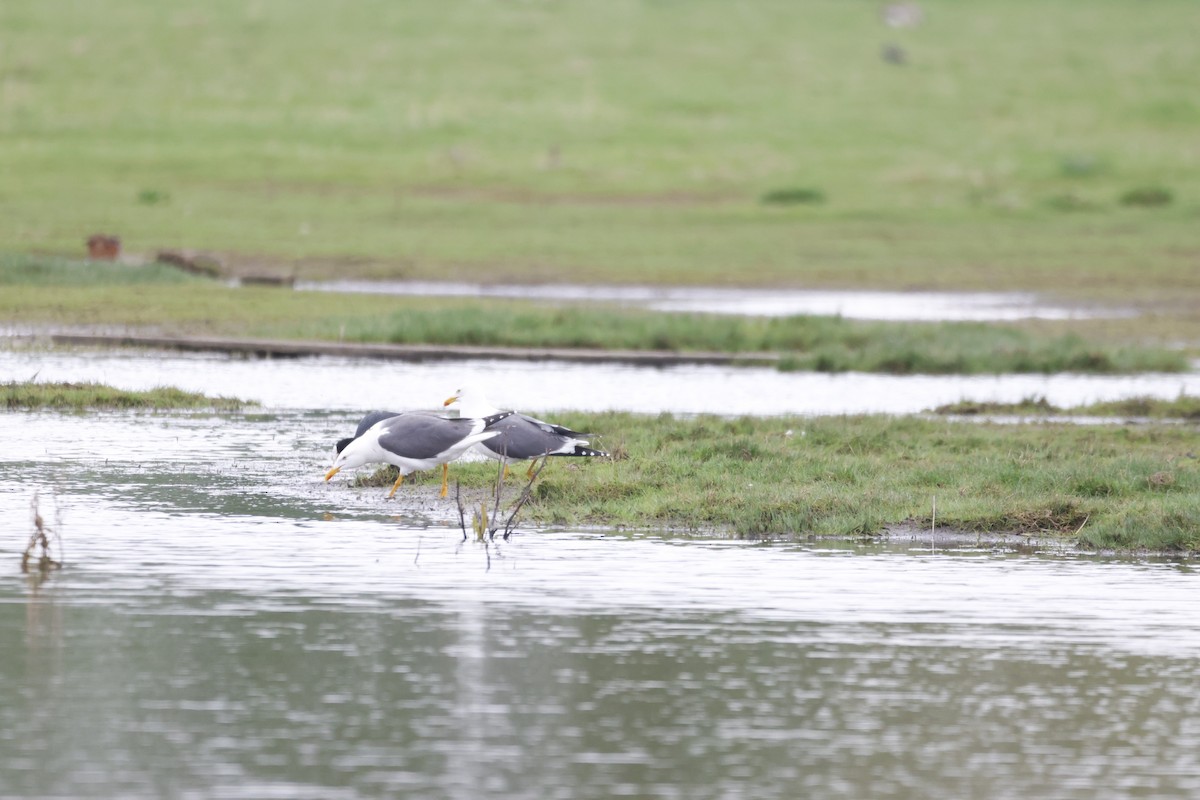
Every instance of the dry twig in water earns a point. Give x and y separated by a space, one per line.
40 539
526 493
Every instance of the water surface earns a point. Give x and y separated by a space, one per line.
344 383
780 302
231 626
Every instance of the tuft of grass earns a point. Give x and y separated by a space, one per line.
30 395
1026 406
793 197
1147 196
383 476
856 476
153 197
1182 407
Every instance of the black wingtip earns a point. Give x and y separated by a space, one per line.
494 418
580 450
561 431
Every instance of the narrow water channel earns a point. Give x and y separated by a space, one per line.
777 302
327 382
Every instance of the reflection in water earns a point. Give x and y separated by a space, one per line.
205 695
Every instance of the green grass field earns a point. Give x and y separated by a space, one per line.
625 141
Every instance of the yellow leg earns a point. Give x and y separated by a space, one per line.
332 472
445 478
532 464
505 476
396 486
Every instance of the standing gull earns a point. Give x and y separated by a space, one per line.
414 441
521 437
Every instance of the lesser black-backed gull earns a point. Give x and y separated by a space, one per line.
521 437
414 441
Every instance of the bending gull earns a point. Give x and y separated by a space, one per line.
414 441
364 425
521 437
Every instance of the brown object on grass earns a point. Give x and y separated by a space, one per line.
102 247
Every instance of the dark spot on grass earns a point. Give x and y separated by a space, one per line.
795 196
1094 487
1147 196
153 197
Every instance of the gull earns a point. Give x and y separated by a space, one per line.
521 437
414 441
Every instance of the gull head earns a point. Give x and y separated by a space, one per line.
470 401
353 453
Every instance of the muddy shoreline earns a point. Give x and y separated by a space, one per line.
416 500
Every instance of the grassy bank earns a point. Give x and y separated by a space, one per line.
1181 408
1036 145
39 290
1122 487
824 344
24 396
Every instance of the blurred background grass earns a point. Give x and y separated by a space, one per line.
1040 145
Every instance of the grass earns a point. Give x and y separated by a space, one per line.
30 395
1183 407
1111 487
56 291
626 141
18 271
825 344
1147 196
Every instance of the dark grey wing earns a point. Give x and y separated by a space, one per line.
364 425
522 437
372 419
424 436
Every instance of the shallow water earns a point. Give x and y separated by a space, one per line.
230 626
908 306
361 384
